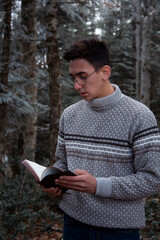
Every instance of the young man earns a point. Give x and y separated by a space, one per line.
112 143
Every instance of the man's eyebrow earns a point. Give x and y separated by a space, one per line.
79 73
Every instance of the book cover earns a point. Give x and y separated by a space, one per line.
46 176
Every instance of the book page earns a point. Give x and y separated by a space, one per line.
35 168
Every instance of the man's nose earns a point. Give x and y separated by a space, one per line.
77 86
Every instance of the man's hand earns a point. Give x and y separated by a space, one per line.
83 182
53 191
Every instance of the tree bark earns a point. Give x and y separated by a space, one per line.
53 61
29 74
142 15
138 48
145 63
4 76
134 23
138 37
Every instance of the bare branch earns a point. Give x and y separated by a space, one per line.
13 60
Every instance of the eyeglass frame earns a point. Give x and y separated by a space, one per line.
84 78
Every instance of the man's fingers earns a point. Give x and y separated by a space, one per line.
67 179
53 191
83 182
80 172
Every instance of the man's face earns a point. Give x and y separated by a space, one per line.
95 85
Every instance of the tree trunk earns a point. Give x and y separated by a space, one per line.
142 14
138 47
134 23
146 39
54 73
4 76
29 74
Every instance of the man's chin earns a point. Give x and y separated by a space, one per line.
87 98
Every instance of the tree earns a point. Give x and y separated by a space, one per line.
29 131
142 15
146 52
137 23
4 77
53 62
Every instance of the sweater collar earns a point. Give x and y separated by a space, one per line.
108 100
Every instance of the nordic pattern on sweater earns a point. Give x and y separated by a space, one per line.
116 139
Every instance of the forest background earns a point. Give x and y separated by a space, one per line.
34 90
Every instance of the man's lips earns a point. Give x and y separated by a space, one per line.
83 93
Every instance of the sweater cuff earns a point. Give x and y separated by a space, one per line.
104 187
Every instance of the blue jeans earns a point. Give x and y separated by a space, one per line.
74 230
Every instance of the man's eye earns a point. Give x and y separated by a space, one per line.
83 77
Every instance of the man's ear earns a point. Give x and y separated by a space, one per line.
106 72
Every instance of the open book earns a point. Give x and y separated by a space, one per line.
46 175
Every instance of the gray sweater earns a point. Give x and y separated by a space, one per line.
116 139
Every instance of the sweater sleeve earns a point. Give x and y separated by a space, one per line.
60 153
145 181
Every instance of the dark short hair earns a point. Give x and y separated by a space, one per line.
96 52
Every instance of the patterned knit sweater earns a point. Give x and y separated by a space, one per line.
116 139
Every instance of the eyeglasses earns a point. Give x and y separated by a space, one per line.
81 80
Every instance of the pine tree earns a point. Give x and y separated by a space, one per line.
29 130
53 62
142 16
4 78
